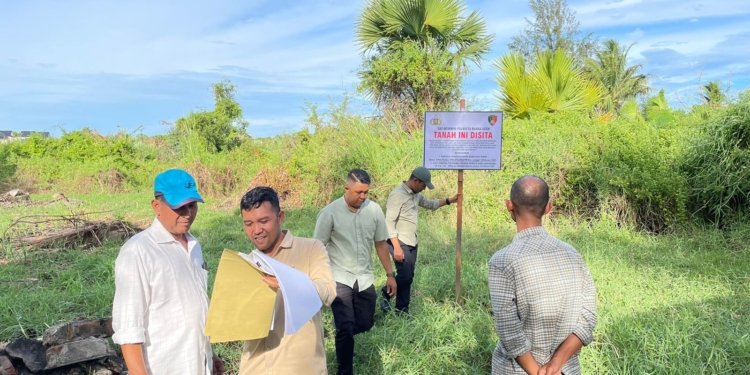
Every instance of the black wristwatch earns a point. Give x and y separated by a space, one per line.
447 201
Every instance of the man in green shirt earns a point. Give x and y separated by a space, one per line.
348 227
402 210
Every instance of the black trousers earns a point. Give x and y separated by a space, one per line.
353 313
404 275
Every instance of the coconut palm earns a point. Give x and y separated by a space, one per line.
620 82
553 84
439 24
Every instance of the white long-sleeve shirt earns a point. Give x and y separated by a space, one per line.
161 302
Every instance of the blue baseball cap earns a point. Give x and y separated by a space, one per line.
177 187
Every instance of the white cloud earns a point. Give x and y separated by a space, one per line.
134 63
608 14
116 38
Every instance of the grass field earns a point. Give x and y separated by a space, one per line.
669 304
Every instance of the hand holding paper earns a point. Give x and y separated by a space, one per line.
242 302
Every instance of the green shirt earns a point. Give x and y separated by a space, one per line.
349 238
401 213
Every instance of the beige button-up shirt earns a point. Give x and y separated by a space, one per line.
302 352
402 210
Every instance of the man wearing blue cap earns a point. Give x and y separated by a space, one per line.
160 303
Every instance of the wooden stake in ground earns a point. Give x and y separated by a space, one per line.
459 222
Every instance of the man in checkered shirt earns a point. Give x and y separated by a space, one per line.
542 294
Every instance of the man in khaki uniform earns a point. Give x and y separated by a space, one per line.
401 213
302 352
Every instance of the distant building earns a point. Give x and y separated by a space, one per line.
9 135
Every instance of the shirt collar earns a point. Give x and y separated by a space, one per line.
407 189
161 235
528 232
346 206
288 240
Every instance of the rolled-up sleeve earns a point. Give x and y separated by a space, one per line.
392 213
131 298
513 342
430 204
381 229
584 328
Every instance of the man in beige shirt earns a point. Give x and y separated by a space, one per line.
402 211
302 352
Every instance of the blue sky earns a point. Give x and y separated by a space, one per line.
137 66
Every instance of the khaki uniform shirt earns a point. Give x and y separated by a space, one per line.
302 352
349 238
402 210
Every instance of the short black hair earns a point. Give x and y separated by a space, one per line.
255 197
530 194
358 175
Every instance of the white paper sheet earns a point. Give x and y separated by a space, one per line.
301 300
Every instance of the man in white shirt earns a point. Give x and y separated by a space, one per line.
160 303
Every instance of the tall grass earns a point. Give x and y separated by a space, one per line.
674 303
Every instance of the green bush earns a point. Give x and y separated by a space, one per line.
635 171
717 165
82 161
7 166
410 80
222 129
636 177
341 142
624 169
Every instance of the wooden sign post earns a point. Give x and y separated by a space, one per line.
462 140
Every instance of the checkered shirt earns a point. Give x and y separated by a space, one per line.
540 291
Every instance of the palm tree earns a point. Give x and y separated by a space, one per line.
657 110
713 95
434 24
553 84
620 81
630 110
416 54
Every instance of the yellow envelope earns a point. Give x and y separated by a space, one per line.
241 303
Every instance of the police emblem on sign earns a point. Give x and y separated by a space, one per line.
492 119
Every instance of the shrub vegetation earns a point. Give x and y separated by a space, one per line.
675 302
